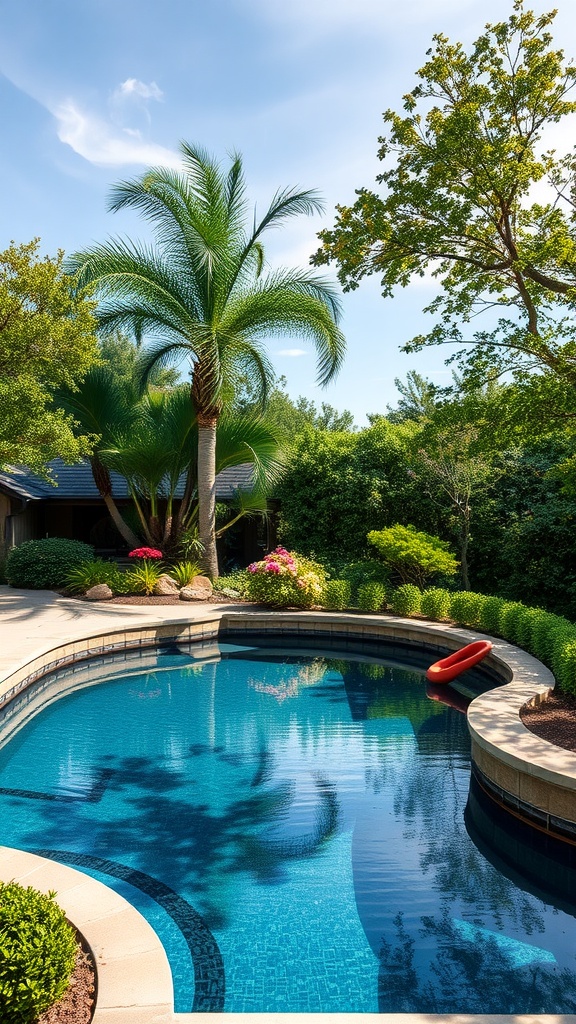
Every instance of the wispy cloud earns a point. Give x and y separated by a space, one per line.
134 87
291 352
102 143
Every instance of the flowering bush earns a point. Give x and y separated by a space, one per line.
284 579
145 553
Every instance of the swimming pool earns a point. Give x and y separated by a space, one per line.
292 824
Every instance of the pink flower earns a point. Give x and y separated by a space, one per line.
253 567
273 567
145 553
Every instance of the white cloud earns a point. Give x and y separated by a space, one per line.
133 87
291 352
100 143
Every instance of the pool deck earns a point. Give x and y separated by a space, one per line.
134 981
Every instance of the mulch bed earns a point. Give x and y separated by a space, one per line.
77 1003
554 720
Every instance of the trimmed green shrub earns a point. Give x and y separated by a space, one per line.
527 619
466 607
370 570
284 579
509 622
489 618
412 555
46 563
435 604
563 660
37 953
371 597
406 600
544 629
336 595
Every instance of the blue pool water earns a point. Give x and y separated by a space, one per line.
293 826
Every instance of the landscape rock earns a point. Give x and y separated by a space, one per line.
166 586
193 593
202 583
101 592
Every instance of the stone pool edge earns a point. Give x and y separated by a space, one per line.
516 762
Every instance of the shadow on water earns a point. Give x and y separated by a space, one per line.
185 842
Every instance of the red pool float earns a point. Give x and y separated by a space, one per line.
446 670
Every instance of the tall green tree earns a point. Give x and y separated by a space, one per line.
202 291
458 201
47 340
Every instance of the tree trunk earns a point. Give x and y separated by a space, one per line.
463 541
207 492
104 486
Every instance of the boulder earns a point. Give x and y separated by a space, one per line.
101 592
166 586
202 583
193 593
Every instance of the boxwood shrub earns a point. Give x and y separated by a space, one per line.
371 597
509 621
406 599
435 603
46 563
489 618
337 595
466 607
37 953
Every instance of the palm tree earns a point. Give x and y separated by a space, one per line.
202 290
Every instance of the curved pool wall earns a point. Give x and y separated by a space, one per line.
526 776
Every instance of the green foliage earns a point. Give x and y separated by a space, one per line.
460 165
510 619
412 555
371 597
37 953
563 661
406 600
46 563
489 618
337 595
185 572
286 580
368 570
338 485
47 341
435 603
466 607
143 577
523 546
205 288
89 574
237 582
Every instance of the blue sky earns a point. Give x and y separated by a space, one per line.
93 91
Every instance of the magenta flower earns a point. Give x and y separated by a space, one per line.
253 567
273 567
145 553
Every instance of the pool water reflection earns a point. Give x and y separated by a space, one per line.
293 825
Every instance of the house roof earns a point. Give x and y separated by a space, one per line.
76 483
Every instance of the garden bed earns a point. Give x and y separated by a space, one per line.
553 719
77 1003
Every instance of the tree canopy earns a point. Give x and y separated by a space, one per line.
47 341
472 197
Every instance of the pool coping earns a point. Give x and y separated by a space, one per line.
500 743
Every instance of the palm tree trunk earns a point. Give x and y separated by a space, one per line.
207 492
104 484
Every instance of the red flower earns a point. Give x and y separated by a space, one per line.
145 553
